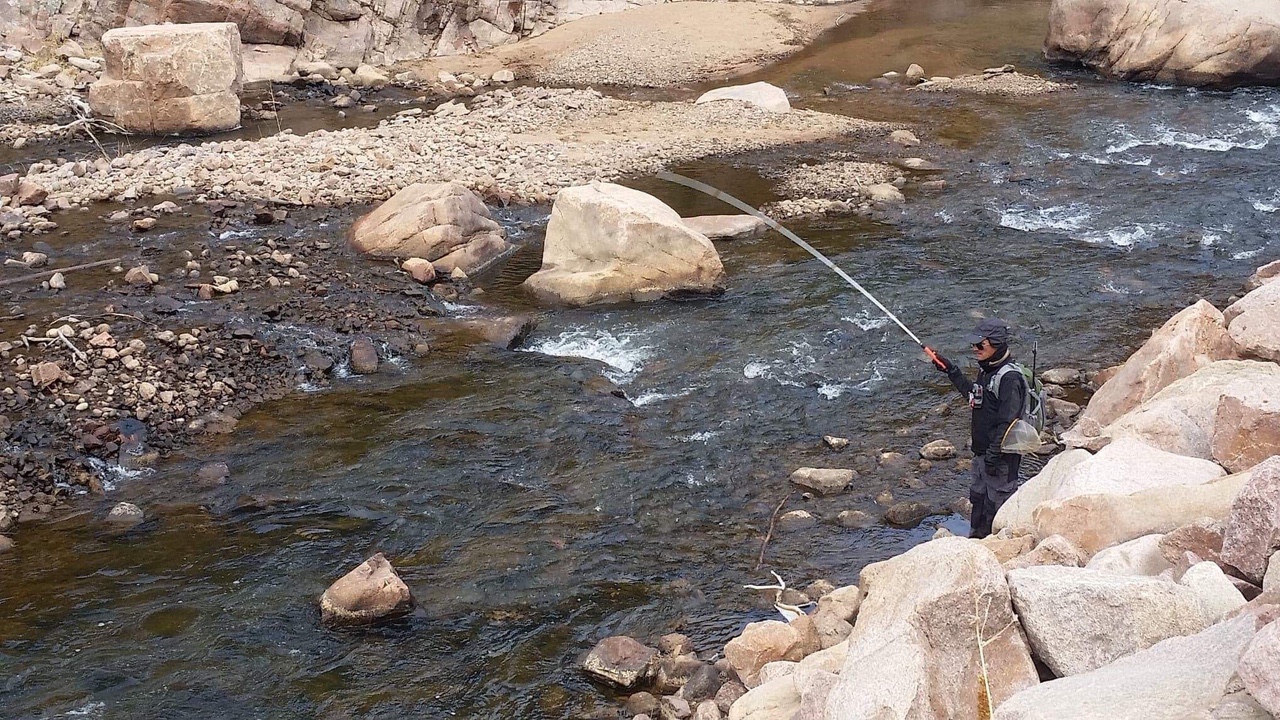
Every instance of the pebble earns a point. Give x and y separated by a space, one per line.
57 282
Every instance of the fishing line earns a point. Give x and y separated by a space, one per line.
726 197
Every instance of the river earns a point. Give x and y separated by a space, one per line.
533 511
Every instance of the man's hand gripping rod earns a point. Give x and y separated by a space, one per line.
723 196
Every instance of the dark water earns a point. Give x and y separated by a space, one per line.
533 512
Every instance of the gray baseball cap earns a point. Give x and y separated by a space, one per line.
993 329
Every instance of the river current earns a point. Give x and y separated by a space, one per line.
533 511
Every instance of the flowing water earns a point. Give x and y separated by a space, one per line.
533 511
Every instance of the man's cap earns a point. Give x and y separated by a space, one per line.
993 329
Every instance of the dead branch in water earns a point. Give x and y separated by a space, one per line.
55 271
773 519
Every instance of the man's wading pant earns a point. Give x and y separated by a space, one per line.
991 486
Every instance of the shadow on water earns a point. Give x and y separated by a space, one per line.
616 476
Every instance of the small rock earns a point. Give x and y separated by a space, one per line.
364 357
620 660
143 224
125 514
675 644
728 694
140 275
58 282
835 443
824 481
146 391
504 76
915 72
641 703
855 519
796 520
213 474
29 192
905 138
369 593
938 450
46 373
420 270
707 710
6 545
674 707
1061 376
35 259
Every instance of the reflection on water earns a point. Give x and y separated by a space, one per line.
616 477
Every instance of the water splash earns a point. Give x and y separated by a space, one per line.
624 353
1064 218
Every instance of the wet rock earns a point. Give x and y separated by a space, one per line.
364 356
642 703
884 193
855 519
824 481
905 138
370 593
143 224
1079 619
317 362
675 644
213 474
1252 533
507 333
835 443
57 282
673 672
29 193
759 94
906 514
45 374
620 660
420 270
760 644
6 545
1061 376
727 227
703 684
673 707
216 422
606 243
938 450
444 223
125 514
141 276
796 520
198 92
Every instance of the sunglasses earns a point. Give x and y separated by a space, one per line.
980 345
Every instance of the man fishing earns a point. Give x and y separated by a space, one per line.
997 398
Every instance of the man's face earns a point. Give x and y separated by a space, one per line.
984 350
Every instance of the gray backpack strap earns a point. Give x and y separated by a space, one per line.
993 386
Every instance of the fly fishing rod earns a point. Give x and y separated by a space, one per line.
726 197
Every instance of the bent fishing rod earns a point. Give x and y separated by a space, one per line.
726 197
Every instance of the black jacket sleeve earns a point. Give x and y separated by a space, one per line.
961 383
1013 393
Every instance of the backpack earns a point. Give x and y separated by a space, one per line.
1033 404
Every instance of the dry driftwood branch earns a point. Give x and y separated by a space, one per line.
54 271
773 519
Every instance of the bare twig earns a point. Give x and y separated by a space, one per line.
769 534
47 273
5 318
76 352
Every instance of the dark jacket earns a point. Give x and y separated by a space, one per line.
991 417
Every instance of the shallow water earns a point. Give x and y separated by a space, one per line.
532 511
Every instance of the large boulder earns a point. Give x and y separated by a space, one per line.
914 652
1253 323
268 63
1094 522
164 79
1182 677
369 593
1184 417
760 644
1219 43
608 243
758 94
1259 668
1246 428
341 44
1140 556
1079 619
777 699
1190 340
259 21
1016 513
1252 533
444 222
1217 597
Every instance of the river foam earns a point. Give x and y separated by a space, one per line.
624 353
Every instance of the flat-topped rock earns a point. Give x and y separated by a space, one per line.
759 94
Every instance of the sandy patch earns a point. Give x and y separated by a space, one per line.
1007 84
658 45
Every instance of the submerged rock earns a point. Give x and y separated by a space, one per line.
824 481
607 243
126 514
369 593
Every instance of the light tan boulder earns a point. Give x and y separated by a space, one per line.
1253 323
1204 43
445 223
775 700
1140 556
1246 428
1217 597
1078 619
620 660
1190 340
1053 550
1181 677
1183 418
914 652
1016 512
369 593
1252 532
1095 522
843 602
1128 465
727 227
824 481
1263 275
163 79
268 63
760 644
341 44
607 243
759 94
